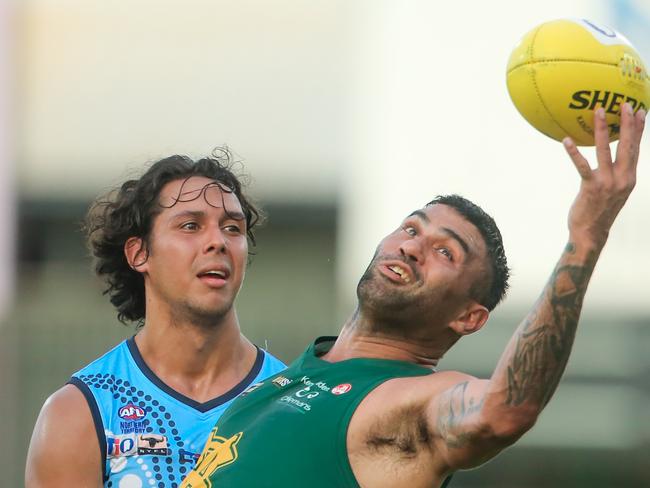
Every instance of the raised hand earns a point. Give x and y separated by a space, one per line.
532 364
604 190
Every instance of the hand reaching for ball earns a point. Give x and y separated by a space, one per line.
604 190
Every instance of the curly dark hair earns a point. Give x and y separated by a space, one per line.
490 291
129 211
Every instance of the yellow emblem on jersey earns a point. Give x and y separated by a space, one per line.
218 452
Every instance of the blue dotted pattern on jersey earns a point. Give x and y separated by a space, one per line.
163 413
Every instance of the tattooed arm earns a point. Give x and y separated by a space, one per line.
475 419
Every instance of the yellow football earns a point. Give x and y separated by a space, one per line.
561 71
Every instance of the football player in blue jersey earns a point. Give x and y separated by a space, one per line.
172 247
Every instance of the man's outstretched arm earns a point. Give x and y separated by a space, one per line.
475 419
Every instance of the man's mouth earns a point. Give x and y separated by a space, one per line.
398 273
214 277
215 273
398 270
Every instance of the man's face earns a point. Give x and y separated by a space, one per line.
424 269
197 250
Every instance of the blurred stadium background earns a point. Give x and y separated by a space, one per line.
329 103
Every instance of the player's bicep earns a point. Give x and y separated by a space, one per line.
464 437
64 449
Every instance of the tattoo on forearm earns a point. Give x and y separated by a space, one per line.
455 407
544 341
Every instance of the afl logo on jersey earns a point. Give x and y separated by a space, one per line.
342 388
131 412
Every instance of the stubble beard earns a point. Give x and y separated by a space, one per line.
393 308
375 295
201 316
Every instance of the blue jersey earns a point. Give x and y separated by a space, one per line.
149 434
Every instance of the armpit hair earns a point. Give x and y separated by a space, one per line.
404 431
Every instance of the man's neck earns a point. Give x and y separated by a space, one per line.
199 362
359 338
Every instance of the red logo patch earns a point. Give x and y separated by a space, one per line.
342 388
131 412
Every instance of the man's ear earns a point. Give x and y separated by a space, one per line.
136 254
471 319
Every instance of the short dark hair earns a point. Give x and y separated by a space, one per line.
488 292
129 211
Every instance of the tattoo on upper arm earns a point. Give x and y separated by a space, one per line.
455 407
544 342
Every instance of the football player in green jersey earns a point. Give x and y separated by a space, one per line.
367 409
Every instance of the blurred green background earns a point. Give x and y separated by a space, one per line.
347 115
595 432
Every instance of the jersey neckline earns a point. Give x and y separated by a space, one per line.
201 407
321 345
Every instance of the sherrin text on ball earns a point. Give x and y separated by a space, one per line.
562 70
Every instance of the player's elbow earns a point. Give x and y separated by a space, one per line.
507 427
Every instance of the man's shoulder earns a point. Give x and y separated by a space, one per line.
413 390
64 425
65 404
65 415
106 361
438 381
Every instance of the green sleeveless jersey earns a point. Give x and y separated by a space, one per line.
291 429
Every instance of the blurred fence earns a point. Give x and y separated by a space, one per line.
61 321
595 432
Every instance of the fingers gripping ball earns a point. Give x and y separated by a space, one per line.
561 71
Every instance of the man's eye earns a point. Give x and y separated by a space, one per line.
235 229
190 226
410 231
445 252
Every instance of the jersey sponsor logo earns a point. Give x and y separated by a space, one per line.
188 456
294 402
301 398
342 388
307 392
219 452
153 444
131 412
281 381
319 385
120 445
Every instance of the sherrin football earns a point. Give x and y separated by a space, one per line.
562 70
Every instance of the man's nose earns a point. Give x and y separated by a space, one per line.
411 249
215 241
